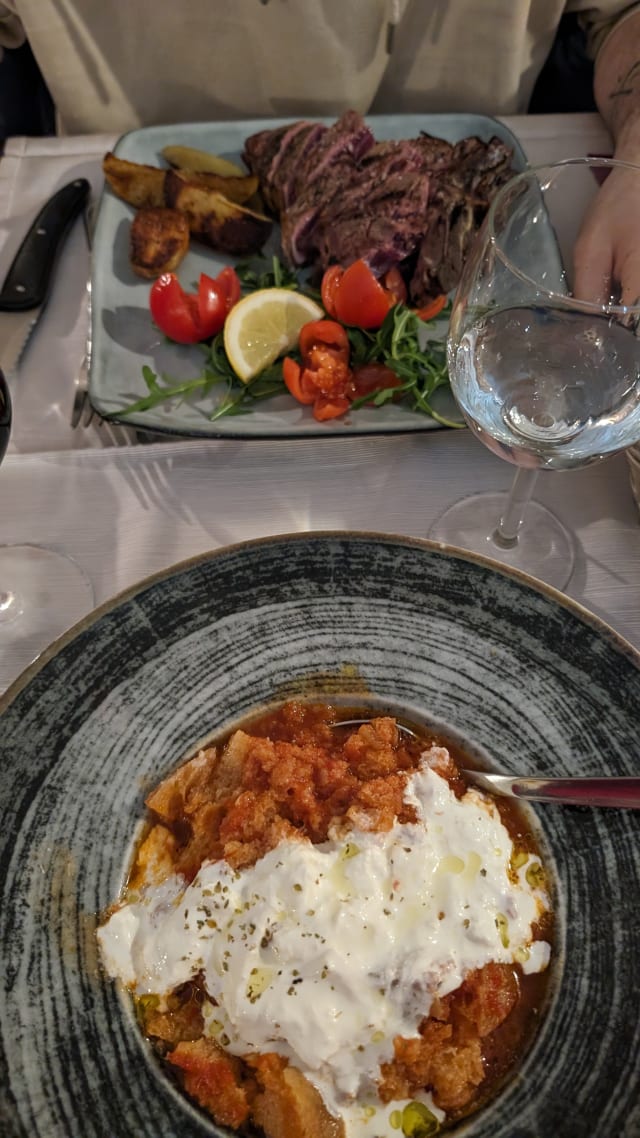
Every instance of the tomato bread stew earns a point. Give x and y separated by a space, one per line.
327 932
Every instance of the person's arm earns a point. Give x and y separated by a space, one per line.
616 86
607 253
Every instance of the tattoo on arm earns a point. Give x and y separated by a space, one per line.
627 88
629 84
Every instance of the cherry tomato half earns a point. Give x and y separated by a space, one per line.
355 296
324 379
330 283
372 377
325 333
188 317
229 281
432 308
298 383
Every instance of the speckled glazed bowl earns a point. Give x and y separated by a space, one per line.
510 666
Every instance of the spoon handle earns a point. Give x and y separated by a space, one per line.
576 791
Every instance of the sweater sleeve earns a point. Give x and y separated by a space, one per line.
11 29
600 19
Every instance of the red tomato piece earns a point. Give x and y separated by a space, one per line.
293 377
324 379
330 407
360 299
212 307
432 308
188 317
372 377
173 310
330 283
325 333
229 282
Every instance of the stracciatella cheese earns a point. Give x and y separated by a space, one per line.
324 953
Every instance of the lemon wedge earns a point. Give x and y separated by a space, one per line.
263 325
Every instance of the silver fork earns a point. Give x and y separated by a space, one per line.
82 412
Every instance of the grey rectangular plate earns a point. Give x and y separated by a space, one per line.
124 338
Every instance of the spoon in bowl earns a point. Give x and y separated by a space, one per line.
579 791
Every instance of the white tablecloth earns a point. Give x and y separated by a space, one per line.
123 513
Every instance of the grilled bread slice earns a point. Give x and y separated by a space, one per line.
158 240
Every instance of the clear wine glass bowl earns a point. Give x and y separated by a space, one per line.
543 352
42 591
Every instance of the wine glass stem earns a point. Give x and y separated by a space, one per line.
505 535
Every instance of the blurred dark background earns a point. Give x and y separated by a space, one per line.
26 106
564 85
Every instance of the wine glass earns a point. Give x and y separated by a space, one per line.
42 592
544 361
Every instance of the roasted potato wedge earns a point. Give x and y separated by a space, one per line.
139 185
236 189
213 219
143 186
200 161
158 240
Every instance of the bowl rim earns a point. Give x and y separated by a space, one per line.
563 600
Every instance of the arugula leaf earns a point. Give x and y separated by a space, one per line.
422 367
265 272
238 398
270 272
162 388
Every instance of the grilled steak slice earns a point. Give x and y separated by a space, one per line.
272 154
260 149
438 155
297 223
459 201
349 138
341 196
293 151
317 178
380 218
383 197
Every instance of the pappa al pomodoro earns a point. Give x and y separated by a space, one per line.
326 931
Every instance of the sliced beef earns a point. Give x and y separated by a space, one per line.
374 209
349 137
380 220
295 154
321 174
340 196
437 154
276 167
261 148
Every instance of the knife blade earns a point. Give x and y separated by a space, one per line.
27 285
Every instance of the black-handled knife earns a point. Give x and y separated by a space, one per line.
26 287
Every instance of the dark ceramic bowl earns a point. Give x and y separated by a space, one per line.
514 668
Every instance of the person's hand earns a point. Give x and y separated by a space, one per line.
607 251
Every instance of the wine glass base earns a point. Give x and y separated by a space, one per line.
42 594
544 549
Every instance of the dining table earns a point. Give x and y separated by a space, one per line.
125 507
